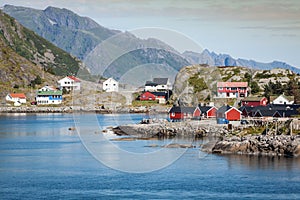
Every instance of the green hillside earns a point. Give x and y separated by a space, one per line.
35 48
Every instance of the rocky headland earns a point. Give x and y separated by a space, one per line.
223 140
278 145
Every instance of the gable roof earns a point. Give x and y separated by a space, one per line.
266 113
253 98
289 98
110 80
18 95
204 109
150 83
56 92
232 84
74 78
182 109
160 81
48 87
223 109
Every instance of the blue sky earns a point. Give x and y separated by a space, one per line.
263 30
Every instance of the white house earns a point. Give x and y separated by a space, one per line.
49 97
69 83
16 97
282 99
111 85
47 88
158 84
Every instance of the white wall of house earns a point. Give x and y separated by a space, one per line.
224 95
15 100
47 88
68 84
46 101
282 100
111 85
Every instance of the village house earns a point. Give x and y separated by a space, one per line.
161 97
16 98
208 111
228 113
111 85
158 84
282 99
271 110
177 113
232 89
69 83
49 97
47 88
254 101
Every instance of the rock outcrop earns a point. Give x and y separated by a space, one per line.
279 145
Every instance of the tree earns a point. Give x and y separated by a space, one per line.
254 87
36 81
248 77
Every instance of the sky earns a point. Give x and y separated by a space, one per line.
262 30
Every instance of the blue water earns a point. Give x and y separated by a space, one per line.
41 159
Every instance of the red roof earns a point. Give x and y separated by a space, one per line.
18 95
74 78
232 84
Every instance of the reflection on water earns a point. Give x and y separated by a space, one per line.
254 162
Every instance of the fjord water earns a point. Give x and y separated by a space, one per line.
41 159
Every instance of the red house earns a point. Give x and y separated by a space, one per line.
181 113
254 101
208 111
147 96
232 89
229 113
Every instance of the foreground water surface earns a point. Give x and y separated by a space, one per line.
40 158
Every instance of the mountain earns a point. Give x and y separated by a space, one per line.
36 49
213 59
72 33
81 37
16 71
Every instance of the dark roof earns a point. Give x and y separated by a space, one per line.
265 113
150 83
160 81
159 93
204 109
182 109
223 109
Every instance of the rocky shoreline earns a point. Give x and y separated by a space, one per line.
194 129
222 140
278 145
70 109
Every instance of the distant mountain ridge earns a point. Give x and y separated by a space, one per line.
213 59
81 37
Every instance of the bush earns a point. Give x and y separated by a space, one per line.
198 83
